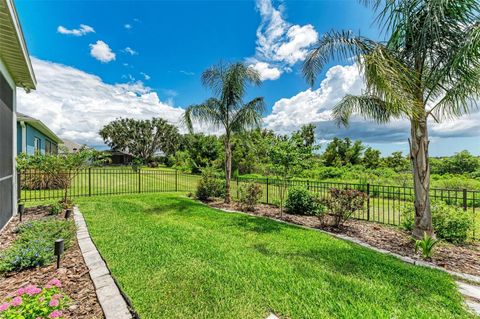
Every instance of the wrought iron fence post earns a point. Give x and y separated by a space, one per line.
267 190
464 199
19 186
368 201
139 181
89 181
176 180
238 194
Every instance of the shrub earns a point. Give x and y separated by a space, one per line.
343 203
33 302
301 202
426 244
56 208
451 223
34 244
209 186
250 194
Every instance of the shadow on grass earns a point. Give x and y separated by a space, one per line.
255 224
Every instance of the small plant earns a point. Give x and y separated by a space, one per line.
32 302
209 186
301 202
250 194
56 208
33 246
426 244
343 203
451 223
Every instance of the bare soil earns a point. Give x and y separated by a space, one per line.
73 274
464 259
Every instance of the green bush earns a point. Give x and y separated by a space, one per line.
35 243
250 194
56 208
450 223
301 202
209 186
343 203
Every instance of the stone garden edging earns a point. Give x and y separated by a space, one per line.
110 297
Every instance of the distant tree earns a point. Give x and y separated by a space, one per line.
429 68
460 163
201 151
343 152
305 136
141 138
371 158
227 110
397 162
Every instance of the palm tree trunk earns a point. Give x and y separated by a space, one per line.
421 177
228 169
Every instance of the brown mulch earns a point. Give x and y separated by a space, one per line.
73 274
464 259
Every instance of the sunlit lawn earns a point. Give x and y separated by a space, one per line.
176 258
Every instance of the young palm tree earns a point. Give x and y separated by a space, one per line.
227 110
428 69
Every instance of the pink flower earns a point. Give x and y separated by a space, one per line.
54 282
53 303
41 299
55 314
4 306
20 291
17 301
57 296
32 290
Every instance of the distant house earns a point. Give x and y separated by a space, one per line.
35 137
15 71
69 146
119 157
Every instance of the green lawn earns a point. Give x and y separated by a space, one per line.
176 258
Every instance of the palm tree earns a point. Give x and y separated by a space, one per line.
227 110
429 68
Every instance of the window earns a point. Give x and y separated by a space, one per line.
48 147
36 145
54 148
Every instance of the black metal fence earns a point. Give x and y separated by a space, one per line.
386 204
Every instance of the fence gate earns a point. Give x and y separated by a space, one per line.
6 151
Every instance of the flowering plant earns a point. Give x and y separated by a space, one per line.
32 302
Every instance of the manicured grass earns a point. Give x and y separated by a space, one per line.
176 258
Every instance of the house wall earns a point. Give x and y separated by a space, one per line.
8 193
31 133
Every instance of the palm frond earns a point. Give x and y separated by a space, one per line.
369 107
250 115
207 112
334 45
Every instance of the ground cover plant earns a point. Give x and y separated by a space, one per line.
34 245
177 258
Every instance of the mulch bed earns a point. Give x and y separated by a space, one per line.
73 274
464 259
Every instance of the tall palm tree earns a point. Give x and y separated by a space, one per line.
428 69
227 110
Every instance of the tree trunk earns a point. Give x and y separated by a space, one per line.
228 169
421 177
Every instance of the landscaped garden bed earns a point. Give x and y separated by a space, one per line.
177 258
72 278
463 259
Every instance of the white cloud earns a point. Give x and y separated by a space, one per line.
102 52
266 72
83 30
187 72
145 76
127 26
315 106
279 43
76 104
130 51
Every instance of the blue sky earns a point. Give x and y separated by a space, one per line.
155 51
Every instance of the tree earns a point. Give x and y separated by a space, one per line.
141 138
197 151
371 158
226 110
428 69
397 162
460 163
343 152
